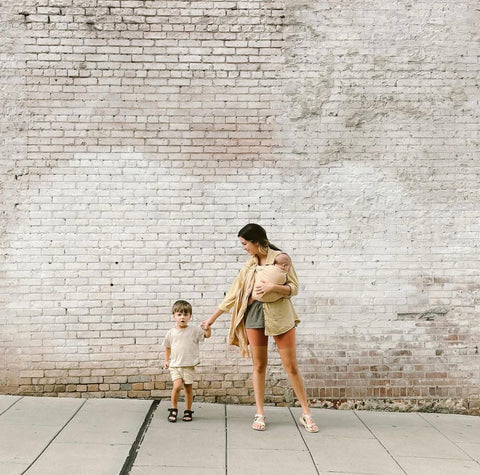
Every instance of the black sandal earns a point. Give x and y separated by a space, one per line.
187 416
172 416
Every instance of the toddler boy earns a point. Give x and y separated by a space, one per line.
181 356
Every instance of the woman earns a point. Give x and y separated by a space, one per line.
253 321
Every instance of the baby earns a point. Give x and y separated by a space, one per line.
277 274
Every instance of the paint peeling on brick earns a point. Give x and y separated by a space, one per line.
138 135
428 315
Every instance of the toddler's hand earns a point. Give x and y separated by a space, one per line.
205 325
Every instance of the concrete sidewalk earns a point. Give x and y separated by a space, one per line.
59 436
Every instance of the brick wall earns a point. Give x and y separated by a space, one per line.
139 136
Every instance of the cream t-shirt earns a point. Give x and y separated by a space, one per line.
184 345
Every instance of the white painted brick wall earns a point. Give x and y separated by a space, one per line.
139 136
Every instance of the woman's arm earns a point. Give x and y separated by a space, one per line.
229 299
292 281
288 289
266 286
211 320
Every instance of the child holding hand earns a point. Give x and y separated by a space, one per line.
181 356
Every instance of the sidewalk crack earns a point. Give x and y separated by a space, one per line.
53 438
11 405
448 438
226 440
132 455
304 441
380 442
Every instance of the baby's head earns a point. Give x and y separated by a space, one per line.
283 261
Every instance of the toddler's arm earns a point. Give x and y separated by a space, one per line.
168 352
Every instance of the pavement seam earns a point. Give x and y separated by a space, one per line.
53 438
450 440
11 405
380 442
304 440
226 439
132 454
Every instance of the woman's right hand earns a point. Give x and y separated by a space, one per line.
206 324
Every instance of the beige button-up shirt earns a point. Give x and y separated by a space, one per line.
280 316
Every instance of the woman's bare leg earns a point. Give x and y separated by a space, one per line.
286 348
289 361
258 346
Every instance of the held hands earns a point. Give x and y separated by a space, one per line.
166 365
207 323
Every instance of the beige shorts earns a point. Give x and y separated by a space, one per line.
187 373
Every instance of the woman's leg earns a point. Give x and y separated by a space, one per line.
258 346
286 348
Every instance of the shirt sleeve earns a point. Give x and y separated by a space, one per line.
166 341
229 299
292 281
200 334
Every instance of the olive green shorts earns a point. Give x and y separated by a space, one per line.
254 317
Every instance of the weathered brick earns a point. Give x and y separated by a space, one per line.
138 137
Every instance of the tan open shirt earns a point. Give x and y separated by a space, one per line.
280 316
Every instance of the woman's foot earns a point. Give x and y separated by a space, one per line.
259 422
308 422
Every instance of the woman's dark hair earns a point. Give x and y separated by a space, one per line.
255 233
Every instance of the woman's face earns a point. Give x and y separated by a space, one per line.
249 246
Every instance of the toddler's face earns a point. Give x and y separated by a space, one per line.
284 262
182 319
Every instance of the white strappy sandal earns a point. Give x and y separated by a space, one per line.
308 422
259 422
